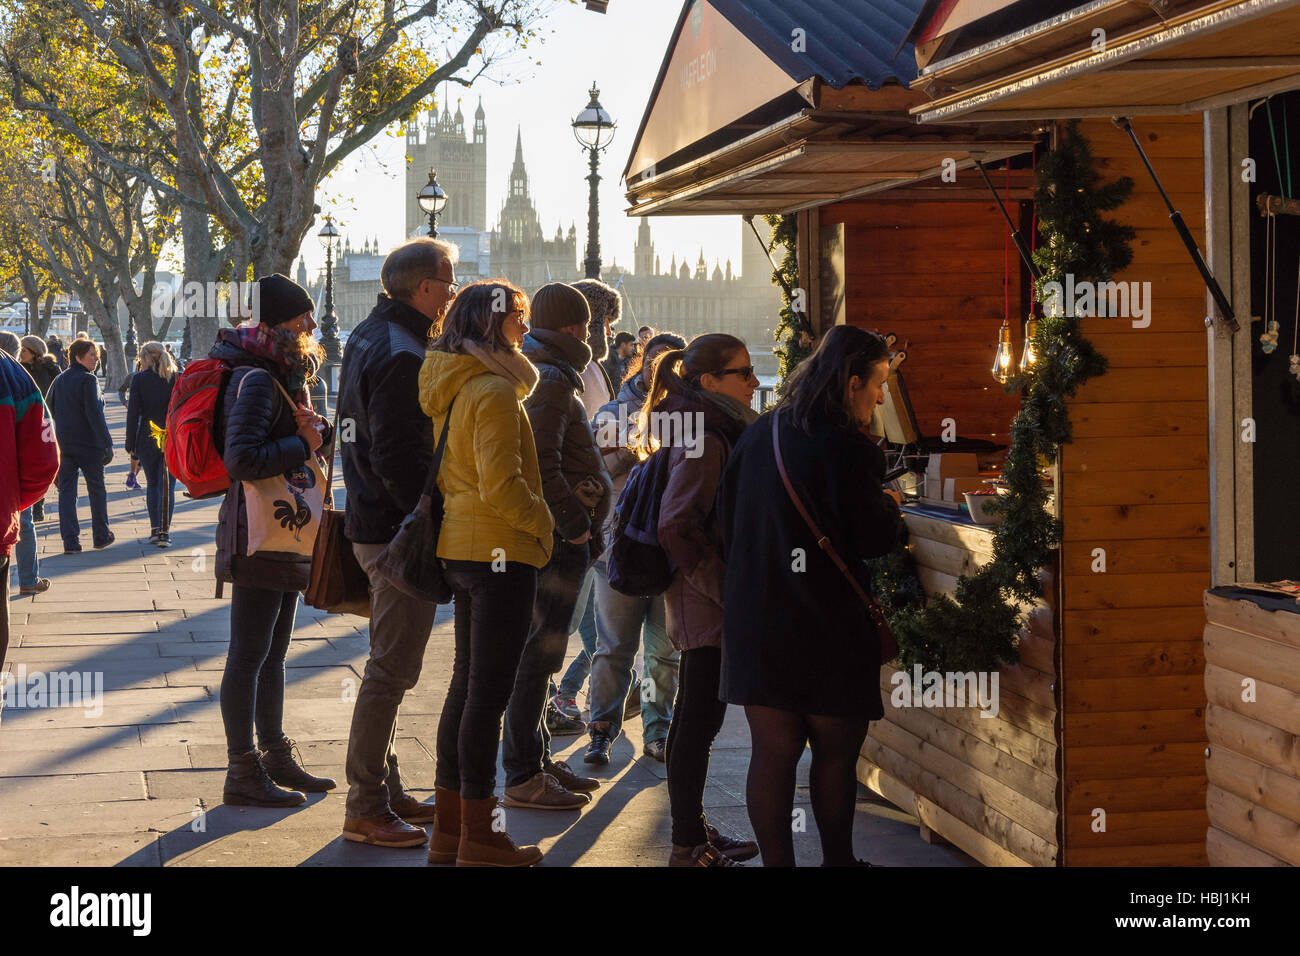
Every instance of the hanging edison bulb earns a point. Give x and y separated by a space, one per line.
1005 358
1029 357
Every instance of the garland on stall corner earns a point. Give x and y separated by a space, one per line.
793 334
978 630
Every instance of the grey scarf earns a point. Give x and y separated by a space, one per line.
733 408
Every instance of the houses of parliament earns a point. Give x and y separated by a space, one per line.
684 297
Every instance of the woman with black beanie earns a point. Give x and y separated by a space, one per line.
265 427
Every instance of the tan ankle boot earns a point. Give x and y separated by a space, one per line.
484 841
446 826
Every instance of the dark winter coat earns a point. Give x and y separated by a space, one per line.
796 636
78 411
258 438
567 455
44 371
389 449
688 526
150 396
616 368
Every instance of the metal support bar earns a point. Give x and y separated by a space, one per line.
1016 237
1176 217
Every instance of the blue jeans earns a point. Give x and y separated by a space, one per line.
25 550
160 489
577 673
619 622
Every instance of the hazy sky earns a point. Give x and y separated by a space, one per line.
621 51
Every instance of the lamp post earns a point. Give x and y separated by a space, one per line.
594 129
329 322
432 198
129 349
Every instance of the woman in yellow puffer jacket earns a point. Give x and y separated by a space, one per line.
496 533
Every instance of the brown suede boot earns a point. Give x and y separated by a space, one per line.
484 841
445 841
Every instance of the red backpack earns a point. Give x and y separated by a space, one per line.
190 449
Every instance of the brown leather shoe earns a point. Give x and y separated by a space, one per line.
445 842
706 854
384 829
544 792
569 780
412 810
484 841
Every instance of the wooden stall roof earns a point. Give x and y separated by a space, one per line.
843 144
1191 56
790 132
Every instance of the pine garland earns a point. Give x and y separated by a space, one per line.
793 334
977 629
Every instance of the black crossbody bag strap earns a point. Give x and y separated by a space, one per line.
432 481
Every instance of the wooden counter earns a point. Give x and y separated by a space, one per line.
1252 681
989 785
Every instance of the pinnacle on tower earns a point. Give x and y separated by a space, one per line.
478 113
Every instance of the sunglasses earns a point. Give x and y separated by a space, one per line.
744 372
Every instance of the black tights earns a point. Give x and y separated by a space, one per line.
778 738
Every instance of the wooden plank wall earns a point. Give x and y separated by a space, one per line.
1254 763
932 272
989 785
1135 483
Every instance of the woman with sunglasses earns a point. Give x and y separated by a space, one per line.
697 414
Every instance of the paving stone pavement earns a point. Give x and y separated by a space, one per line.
135 779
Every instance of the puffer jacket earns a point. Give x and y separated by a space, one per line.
688 524
150 396
258 438
567 455
489 478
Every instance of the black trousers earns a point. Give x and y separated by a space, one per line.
493 611
697 718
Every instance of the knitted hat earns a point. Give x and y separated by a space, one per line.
34 344
558 306
278 299
9 343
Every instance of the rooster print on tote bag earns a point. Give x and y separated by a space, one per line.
284 511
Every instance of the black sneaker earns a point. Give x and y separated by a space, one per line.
598 750
75 549
111 538
561 726
164 540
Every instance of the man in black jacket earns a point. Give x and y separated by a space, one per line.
84 445
387 450
577 490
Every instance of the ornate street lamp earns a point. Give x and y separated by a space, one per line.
329 322
432 198
594 129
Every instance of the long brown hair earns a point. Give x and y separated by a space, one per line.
815 392
706 355
477 314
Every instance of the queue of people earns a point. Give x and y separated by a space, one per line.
513 409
